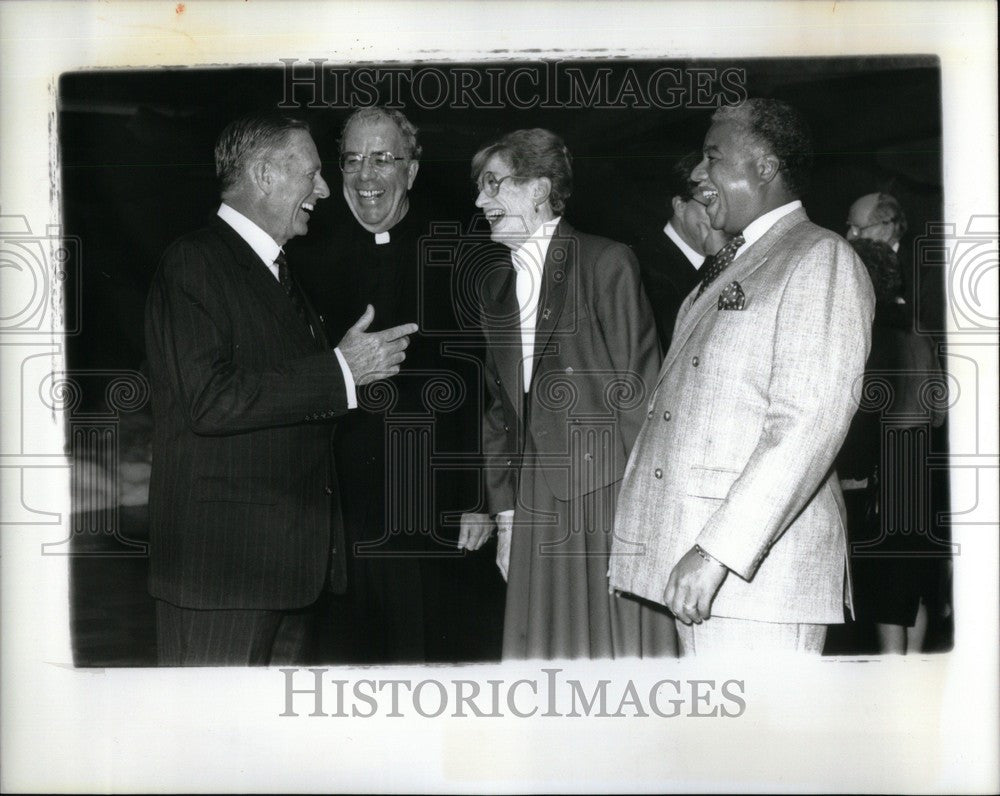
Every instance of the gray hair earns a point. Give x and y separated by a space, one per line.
781 128
533 153
248 139
378 113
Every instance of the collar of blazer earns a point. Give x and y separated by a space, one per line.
694 309
262 282
501 319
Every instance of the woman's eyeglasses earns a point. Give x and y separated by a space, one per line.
490 185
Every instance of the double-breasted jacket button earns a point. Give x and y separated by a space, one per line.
666 415
328 489
658 472
506 427
694 361
497 381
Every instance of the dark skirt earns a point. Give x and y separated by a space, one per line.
558 600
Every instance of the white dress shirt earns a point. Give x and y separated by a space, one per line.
265 247
529 264
759 226
697 260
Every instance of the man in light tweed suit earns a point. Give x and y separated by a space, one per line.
730 513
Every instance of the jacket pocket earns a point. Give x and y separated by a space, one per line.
210 488
711 482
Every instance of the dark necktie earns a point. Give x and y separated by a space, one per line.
721 262
291 289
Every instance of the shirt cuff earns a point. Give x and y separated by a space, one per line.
507 513
349 386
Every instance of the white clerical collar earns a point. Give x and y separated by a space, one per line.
258 240
759 226
382 238
693 257
531 254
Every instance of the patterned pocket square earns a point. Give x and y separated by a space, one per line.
732 297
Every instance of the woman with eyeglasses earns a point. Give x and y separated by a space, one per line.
571 357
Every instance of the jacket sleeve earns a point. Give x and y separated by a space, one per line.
192 346
822 337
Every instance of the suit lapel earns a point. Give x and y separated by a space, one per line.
556 276
503 330
267 289
694 309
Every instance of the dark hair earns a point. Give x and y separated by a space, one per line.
889 210
883 268
779 127
679 182
533 153
377 113
248 138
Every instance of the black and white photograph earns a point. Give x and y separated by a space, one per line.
469 397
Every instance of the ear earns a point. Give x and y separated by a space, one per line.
677 204
411 175
768 167
262 174
541 190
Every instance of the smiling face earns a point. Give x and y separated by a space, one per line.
511 214
294 188
729 177
378 198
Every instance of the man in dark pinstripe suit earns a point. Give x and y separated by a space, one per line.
244 385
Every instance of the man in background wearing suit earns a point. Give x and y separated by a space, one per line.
242 380
671 257
731 514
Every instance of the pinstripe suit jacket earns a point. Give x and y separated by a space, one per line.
240 495
747 415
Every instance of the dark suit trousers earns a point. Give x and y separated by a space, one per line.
232 637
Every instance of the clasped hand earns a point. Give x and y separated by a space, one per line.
374 355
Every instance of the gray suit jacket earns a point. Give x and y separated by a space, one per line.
747 415
596 357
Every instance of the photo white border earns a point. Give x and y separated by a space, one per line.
916 724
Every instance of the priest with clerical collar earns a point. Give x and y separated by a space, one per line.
397 609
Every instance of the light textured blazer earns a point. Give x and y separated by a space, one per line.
742 428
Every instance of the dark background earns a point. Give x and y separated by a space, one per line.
137 172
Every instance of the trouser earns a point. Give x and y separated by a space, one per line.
227 637
719 635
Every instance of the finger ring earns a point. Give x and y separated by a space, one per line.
689 607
